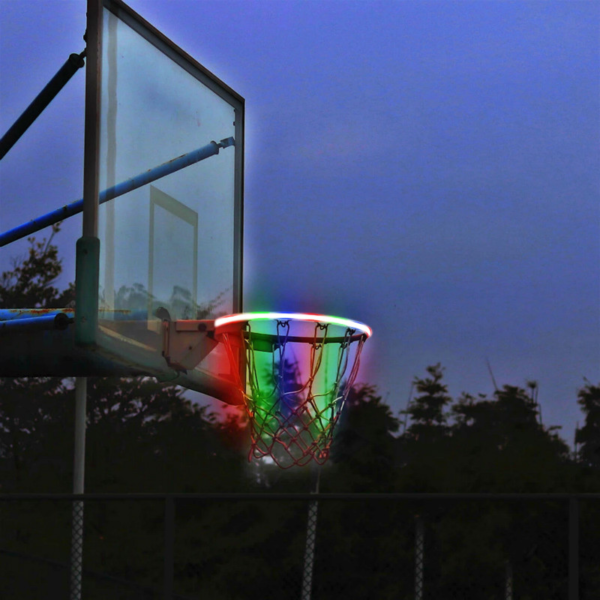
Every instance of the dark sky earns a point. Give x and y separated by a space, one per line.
429 168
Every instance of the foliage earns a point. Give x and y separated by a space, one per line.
428 419
364 448
30 283
501 445
33 411
426 462
34 451
588 436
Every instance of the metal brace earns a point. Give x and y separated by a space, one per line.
187 343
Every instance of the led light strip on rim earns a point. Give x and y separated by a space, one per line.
221 321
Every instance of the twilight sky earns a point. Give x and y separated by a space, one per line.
429 168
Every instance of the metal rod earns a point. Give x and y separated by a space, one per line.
138 181
77 527
87 250
16 314
42 323
93 85
573 549
80 418
11 314
295 496
35 109
169 547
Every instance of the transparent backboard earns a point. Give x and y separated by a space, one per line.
170 248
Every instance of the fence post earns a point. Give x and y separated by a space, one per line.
311 537
573 548
169 546
76 568
419 556
77 526
508 581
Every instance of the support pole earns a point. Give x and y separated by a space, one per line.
93 103
78 488
311 537
35 109
69 210
49 322
87 258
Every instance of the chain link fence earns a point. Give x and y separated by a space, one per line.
301 546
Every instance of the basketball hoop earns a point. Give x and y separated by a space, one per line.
294 371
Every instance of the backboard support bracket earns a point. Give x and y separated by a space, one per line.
187 343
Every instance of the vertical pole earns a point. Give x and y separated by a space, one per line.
311 536
78 488
92 117
508 582
573 548
419 557
169 547
90 229
88 252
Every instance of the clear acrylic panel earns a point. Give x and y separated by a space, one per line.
171 244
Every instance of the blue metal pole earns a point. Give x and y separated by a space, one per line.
42 323
138 181
35 109
14 314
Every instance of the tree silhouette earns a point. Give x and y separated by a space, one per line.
424 446
426 411
25 422
588 436
30 283
501 445
364 450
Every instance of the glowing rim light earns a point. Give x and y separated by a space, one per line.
297 316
